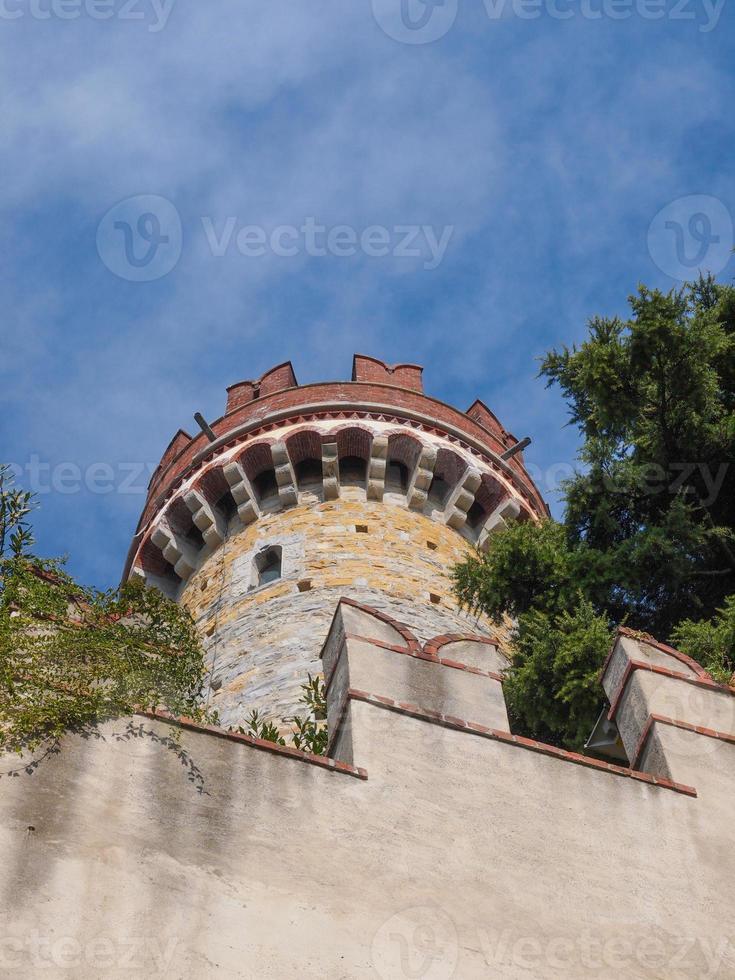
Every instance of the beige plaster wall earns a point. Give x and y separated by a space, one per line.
458 857
157 851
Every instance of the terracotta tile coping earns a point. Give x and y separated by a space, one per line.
323 762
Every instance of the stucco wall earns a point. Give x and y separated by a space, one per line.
157 850
458 857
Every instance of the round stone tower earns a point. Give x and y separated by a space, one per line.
300 495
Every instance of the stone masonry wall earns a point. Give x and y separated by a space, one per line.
262 641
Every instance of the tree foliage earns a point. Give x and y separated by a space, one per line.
15 507
70 656
648 535
654 501
711 641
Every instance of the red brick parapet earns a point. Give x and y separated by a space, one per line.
277 379
255 408
406 376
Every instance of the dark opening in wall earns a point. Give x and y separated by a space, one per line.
432 545
352 471
438 492
476 515
195 537
226 505
308 473
268 565
396 476
304 585
266 486
434 597
361 528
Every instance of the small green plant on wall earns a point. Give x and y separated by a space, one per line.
310 734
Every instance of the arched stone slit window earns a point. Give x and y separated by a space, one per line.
268 565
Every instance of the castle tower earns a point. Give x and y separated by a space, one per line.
302 495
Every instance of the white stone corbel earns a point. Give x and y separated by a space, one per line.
418 489
242 492
285 476
330 470
462 498
377 467
176 550
212 524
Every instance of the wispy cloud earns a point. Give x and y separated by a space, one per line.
546 146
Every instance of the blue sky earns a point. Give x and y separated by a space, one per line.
548 146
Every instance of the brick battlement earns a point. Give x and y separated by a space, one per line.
255 407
